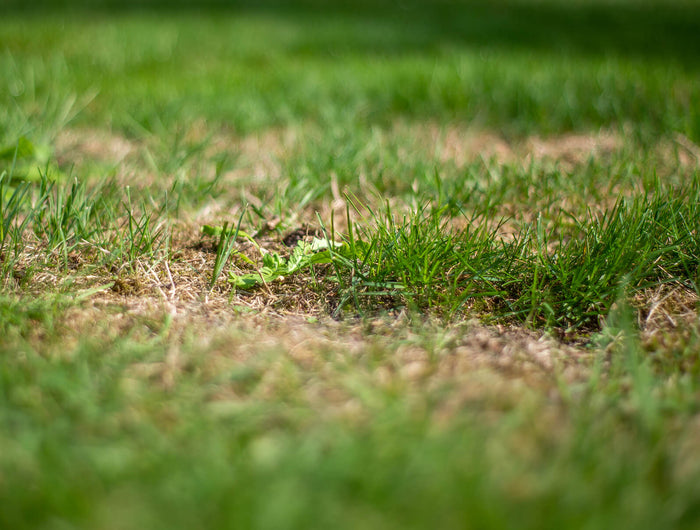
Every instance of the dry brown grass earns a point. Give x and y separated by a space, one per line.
77 146
336 369
461 145
260 155
494 365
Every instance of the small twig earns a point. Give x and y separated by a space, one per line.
170 277
157 282
265 283
656 305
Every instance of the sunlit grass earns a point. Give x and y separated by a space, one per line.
449 275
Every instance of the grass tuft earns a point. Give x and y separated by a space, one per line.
422 262
224 248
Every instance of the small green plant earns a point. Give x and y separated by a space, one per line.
64 215
227 240
142 233
276 266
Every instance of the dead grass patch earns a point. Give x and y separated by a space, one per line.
336 369
476 361
77 146
342 370
260 154
667 306
462 145
572 149
668 320
255 158
684 151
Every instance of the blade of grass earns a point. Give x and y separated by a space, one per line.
227 240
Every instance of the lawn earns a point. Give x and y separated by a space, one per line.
349 264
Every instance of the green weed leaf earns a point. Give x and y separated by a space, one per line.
276 266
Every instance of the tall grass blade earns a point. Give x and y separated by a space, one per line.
227 240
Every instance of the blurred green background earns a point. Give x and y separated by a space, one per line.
512 66
667 29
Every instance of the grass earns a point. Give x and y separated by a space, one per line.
461 289
227 241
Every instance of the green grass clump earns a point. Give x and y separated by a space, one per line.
420 259
637 245
570 282
46 222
